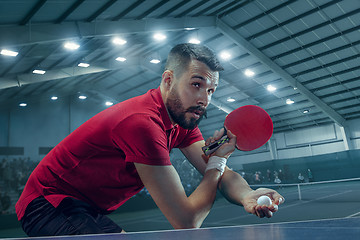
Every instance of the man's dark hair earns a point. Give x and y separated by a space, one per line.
181 55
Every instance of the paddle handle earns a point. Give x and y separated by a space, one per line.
215 145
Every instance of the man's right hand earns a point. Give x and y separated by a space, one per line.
227 148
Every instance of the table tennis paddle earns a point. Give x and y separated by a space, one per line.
252 126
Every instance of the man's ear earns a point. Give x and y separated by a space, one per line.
167 78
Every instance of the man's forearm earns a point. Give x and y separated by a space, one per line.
233 187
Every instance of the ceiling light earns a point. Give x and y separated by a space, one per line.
189 28
230 99
159 36
119 41
270 88
194 41
71 45
120 59
306 111
225 55
54 98
23 104
8 53
109 103
82 64
82 97
249 73
289 101
39 71
155 61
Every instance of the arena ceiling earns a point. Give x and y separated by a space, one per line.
304 52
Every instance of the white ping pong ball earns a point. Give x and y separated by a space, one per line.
264 200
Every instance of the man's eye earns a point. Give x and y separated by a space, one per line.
196 84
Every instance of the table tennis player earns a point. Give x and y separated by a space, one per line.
113 155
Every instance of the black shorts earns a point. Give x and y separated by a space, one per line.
71 217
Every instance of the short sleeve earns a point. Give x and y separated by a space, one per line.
142 139
191 137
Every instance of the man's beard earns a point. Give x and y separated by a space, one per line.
177 111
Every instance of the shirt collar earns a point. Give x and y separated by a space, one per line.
162 109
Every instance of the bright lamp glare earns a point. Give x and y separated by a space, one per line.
82 97
194 41
271 88
8 53
120 59
289 101
249 73
230 99
71 45
54 98
119 41
159 36
155 61
225 55
85 65
23 104
109 103
38 71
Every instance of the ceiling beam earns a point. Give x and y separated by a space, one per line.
101 10
127 10
43 33
29 78
32 12
24 79
247 46
69 11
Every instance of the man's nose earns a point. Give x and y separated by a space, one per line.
204 99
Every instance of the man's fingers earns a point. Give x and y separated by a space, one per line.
216 133
279 200
216 136
232 137
263 211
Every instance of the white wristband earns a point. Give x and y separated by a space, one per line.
216 162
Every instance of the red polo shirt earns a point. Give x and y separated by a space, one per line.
95 163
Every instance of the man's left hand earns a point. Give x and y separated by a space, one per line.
250 202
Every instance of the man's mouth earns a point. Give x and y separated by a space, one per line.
197 113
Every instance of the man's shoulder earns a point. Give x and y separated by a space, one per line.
133 108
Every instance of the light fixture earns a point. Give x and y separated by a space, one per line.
289 101
23 104
159 36
270 88
39 71
83 64
8 53
54 98
108 103
194 41
230 99
225 55
249 73
306 111
119 41
155 61
82 97
189 28
120 59
71 45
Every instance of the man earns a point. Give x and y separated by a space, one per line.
116 153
